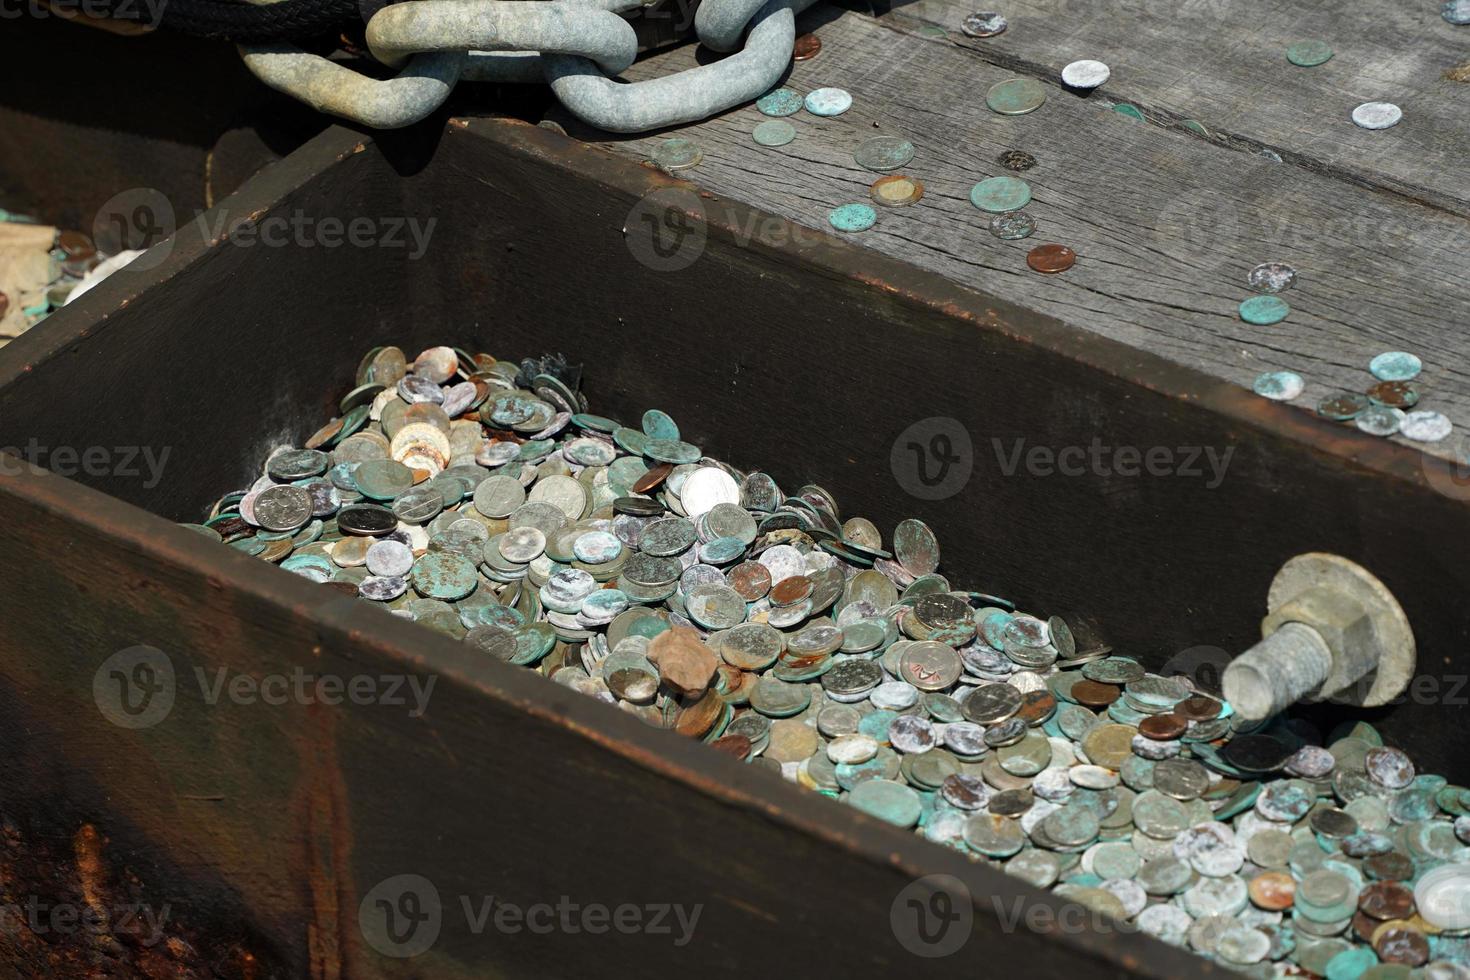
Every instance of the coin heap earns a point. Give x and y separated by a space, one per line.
478 498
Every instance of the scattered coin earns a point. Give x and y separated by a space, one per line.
1279 386
1308 54
1343 407
1001 194
883 153
1456 11
807 47
828 102
852 217
779 102
1016 96
1018 160
1425 427
896 190
1085 74
985 23
674 155
1395 366
1051 258
1394 394
1271 277
774 132
1012 226
1264 310
1377 115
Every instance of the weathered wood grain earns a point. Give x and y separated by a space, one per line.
1223 63
1166 225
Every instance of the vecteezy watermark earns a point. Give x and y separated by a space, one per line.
1099 459
127 462
1450 477
143 219
137 687
139 920
403 916
667 230
933 458
933 916
147 13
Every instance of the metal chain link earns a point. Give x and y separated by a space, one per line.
572 44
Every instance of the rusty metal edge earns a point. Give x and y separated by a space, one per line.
676 759
825 254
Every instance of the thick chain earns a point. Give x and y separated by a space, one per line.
575 45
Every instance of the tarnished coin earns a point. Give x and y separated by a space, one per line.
883 153
931 666
915 547
1018 160
984 23
1109 745
1263 311
499 496
1279 386
676 154
774 132
1271 277
1309 54
1012 226
1000 194
1343 407
896 190
779 102
1425 426
1016 96
522 545
852 217
389 558
1394 394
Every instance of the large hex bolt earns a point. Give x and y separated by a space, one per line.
1333 632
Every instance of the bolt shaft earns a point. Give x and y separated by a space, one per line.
1277 672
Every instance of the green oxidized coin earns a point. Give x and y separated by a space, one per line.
1395 366
779 102
1308 54
382 479
1279 386
1016 96
677 154
1000 194
774 132
444 575
669 450
852 217
1130 111
887 800
1264 310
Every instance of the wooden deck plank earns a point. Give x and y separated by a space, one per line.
1223 63
1166 225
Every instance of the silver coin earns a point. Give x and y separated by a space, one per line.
382 589
1085 74
984 23
499 496
911 734
1420 426
522 545
1377 115
1271 277
1012 226
883 153
283 508
992 703
389 559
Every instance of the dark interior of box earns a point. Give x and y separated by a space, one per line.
766 364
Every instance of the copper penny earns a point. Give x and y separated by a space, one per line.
1387 900
751 580
1036 707
1364 926
698 718
1402 945
1274 891
1392 866
654 476
75 244
324 435
1395 394
1095 695
733 745
807 47
1198 708
1163 727
1051 259
792 590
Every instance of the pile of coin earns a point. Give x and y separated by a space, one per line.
479 498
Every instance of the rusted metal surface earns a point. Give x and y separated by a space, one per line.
282 820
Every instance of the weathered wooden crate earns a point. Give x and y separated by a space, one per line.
265 827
